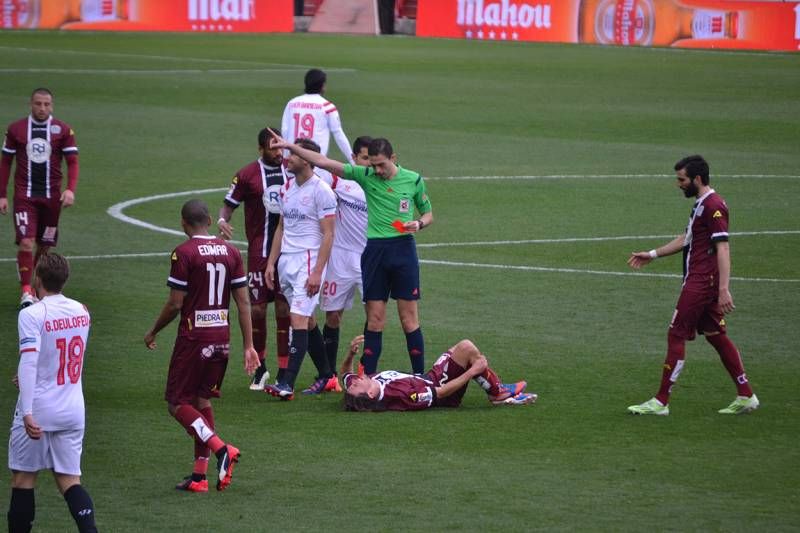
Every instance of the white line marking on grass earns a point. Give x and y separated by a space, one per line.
599 176
103 256
147 71
592 239
587 271
169 58
449 263
116 211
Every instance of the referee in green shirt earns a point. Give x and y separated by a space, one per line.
389 264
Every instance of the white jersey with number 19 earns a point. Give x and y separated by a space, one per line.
310 116
52 342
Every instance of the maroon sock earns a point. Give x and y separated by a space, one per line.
673 364
489 381
25 267
198 427
201 449
260 338
730 357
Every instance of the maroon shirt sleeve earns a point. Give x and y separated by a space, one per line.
238 276
237 190
717 219
9 150
179 271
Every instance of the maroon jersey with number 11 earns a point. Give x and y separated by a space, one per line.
207 268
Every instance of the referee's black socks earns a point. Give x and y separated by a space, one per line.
416 350
373 345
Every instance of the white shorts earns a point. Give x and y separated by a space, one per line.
293 272
342 278
56 450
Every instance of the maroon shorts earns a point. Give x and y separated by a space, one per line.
37 218
445 369
697 311
259 293
196 369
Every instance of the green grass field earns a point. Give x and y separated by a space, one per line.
157 114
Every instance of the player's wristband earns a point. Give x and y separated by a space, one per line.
653 254
221 220
421 223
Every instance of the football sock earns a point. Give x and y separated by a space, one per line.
489 381
200 468
21 511
297 351
416 350
373 344
25 267
282 324
260 338
316 349
81 507
733 362
201 449
673 364
197 426
330 336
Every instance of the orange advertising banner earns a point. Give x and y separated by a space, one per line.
149 15
738 24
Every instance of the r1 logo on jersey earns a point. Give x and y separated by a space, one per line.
271 199
405 205
39 150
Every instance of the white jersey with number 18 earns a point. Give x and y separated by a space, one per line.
52 342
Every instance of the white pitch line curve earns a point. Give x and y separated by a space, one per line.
116 211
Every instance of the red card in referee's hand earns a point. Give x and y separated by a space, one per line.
399 226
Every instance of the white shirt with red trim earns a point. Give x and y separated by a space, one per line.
52 342
311 116
351 214
302 207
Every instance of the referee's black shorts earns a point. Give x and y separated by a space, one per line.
389 267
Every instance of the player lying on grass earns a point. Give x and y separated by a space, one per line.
443 385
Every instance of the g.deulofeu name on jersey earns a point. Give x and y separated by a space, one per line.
58 324
211 318
212 249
